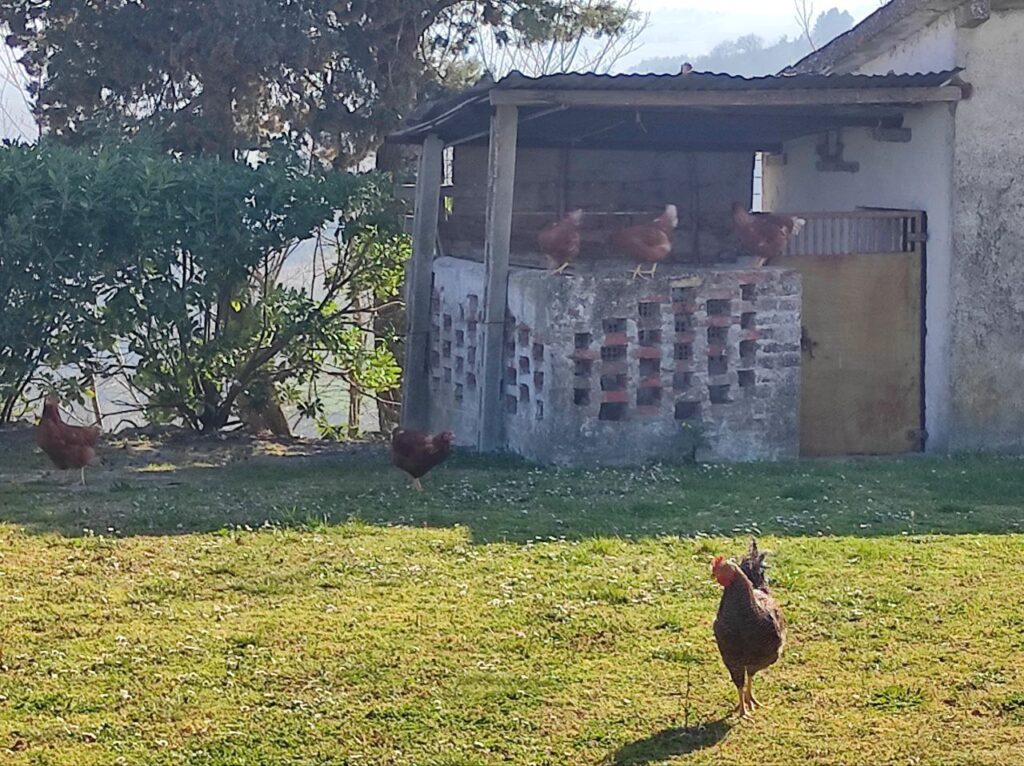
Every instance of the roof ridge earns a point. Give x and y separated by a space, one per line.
878 24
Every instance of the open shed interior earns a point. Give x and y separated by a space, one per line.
502 160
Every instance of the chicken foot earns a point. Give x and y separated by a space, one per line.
560 269
639 272
417 485
748 691
741 706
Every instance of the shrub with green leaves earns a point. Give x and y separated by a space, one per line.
168 271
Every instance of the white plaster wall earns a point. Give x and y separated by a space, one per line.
932 49
988 221
914 176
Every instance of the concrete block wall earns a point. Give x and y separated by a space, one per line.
601 369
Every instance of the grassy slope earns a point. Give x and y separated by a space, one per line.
510 615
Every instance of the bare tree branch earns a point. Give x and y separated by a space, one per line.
804 13
580 52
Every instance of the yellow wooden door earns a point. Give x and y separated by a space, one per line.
862 353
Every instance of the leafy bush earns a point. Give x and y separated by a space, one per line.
169 272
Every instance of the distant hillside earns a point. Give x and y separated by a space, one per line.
750 55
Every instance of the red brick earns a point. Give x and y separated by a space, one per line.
685 337
615 339
583 354
614 368
612 397
648 411
750 334
647 352
716 350
654 381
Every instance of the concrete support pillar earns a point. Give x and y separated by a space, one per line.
500 184
418 287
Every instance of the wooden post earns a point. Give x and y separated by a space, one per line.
419 275
501 177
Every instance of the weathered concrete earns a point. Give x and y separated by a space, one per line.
988 224
931 48
603 370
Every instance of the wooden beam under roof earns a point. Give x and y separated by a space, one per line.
501 176
418 286
614 99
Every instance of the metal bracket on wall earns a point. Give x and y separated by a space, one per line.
830 150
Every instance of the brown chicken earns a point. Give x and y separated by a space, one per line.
67 446
749 629
647 242
560 241
416 452
764 235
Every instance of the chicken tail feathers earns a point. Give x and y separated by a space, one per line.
798 225
754 568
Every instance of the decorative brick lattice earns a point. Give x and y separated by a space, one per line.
681 356
613 370
453 348
524 377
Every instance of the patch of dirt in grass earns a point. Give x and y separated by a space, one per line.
152 453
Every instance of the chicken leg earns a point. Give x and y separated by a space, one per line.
417 485
741 706
83 477
560 269
639 272
748 691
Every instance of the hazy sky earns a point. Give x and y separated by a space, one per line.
693 27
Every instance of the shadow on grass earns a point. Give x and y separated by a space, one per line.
208 485
669 743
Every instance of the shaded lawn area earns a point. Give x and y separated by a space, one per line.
197 606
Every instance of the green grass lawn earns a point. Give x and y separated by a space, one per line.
225 608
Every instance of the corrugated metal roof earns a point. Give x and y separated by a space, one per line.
702 81
468 110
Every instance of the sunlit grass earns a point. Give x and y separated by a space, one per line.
315 611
